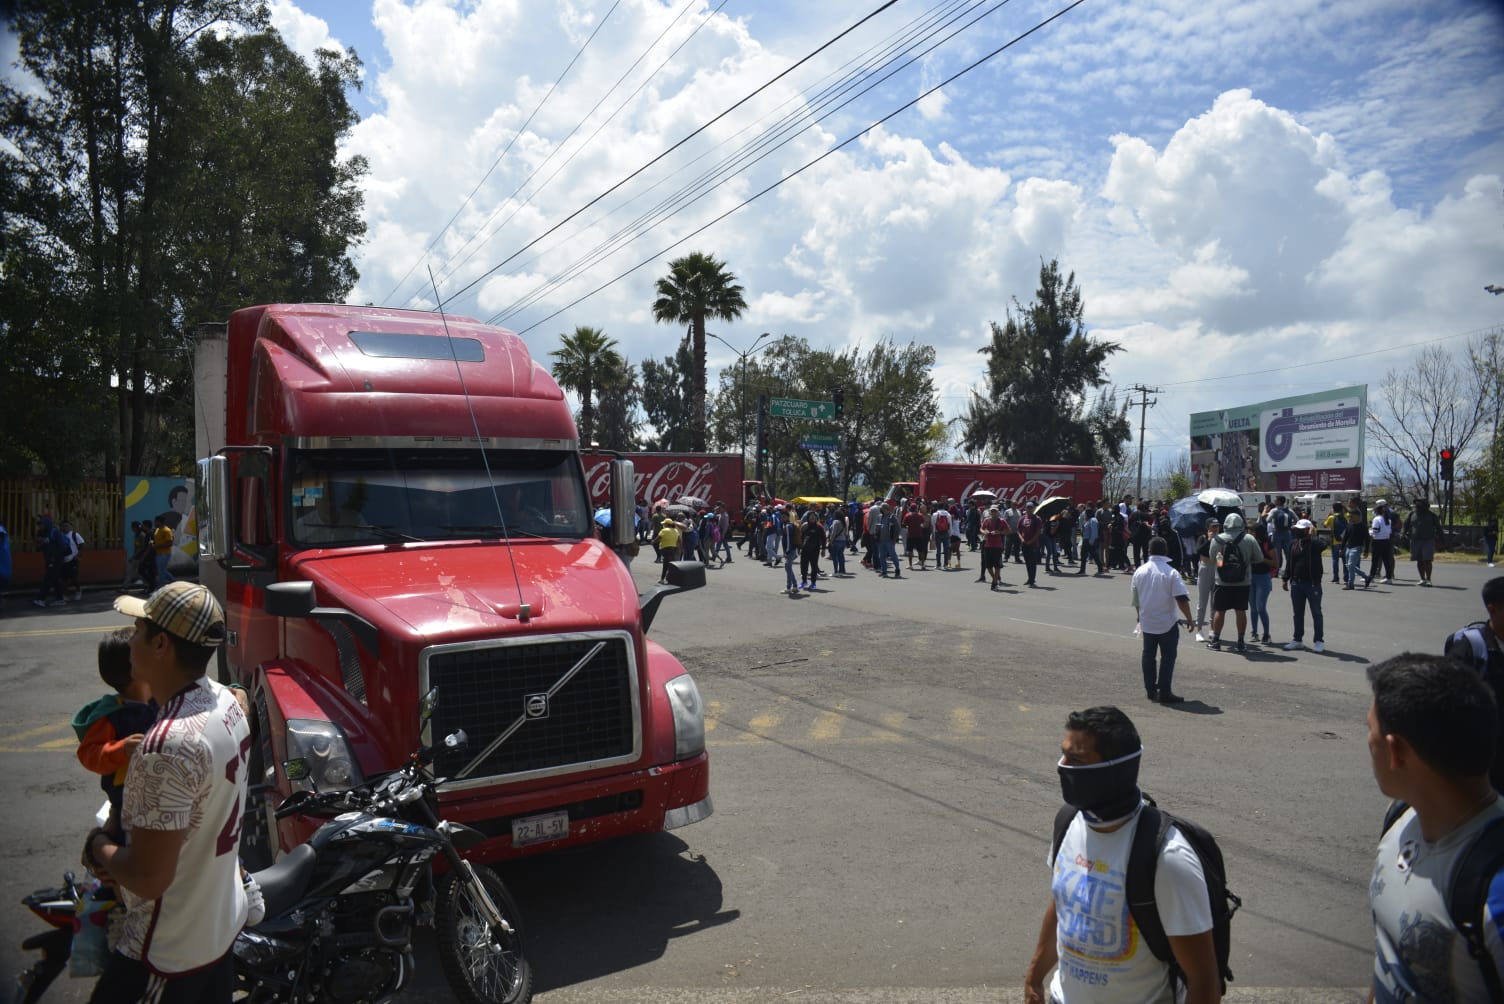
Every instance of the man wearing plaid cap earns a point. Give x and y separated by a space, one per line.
184 795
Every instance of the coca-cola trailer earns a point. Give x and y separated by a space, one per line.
1016 483
713 477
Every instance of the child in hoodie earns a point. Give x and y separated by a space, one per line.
109 729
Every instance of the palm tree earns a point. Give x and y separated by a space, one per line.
696 287
587 362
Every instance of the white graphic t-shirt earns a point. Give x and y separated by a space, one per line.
1419 955
1103 958
189 774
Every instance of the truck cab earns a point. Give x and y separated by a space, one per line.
396 505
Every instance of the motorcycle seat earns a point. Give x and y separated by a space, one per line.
284 883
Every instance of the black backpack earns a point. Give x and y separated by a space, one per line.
1469 645
1143 862
1232 562
1468 891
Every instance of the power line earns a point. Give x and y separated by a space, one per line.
737 162
450 265
811 163
779 76
494 164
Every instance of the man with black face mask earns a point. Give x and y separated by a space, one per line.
1088 935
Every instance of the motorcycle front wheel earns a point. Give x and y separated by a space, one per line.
480 969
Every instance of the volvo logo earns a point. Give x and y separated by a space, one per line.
535 705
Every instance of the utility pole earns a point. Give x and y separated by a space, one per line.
1144 404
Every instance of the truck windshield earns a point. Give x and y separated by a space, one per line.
370 496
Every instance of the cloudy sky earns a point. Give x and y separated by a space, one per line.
1257 198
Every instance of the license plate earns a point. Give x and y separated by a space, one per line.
536 829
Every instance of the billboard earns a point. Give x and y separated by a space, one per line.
1294 444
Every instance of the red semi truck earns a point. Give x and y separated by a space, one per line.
1014 483
393 507
714 477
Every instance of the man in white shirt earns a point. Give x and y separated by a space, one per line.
1089 936
184 796
1157 591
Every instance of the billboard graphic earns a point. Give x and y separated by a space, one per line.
146 499
1309 443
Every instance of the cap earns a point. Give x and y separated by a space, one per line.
185 609
1380 502
1303 524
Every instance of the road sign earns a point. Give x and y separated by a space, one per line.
819 441
791 407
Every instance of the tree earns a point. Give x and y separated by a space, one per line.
666 389
1040 367
889 428
178 161
616 414
696 287
1436 400
587 361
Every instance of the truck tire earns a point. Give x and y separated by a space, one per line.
477 972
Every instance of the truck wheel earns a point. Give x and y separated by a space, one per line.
480 970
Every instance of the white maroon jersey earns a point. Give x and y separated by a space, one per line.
189 774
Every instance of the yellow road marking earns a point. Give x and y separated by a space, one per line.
712 715
44 632
827 726
963 721
42 731
58 744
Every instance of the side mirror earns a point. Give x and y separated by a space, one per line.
211 490
290 599
623 502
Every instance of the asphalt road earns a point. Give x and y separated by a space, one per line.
883 771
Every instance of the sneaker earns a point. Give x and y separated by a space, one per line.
1388 581
1292 646
1266 639
1425 582
1348 586
1320 646
1242 647
1215 645
1202 638
39 603
994 587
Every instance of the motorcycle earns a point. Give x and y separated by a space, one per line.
71 909
342 907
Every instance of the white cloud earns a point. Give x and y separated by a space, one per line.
304 33
1215 172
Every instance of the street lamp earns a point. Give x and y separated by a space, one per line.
743 357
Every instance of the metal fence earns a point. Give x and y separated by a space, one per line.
95 508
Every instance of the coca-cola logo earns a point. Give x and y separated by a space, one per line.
1028 491
671 481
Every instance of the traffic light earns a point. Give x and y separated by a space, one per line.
1447 456
838 398
762 441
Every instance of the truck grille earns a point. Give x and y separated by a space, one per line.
591 718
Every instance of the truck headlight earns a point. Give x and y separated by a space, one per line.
319 757
689 716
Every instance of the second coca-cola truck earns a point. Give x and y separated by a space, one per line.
1011 483
667 477
395 511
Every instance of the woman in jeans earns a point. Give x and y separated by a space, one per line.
1261 582
1206 575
